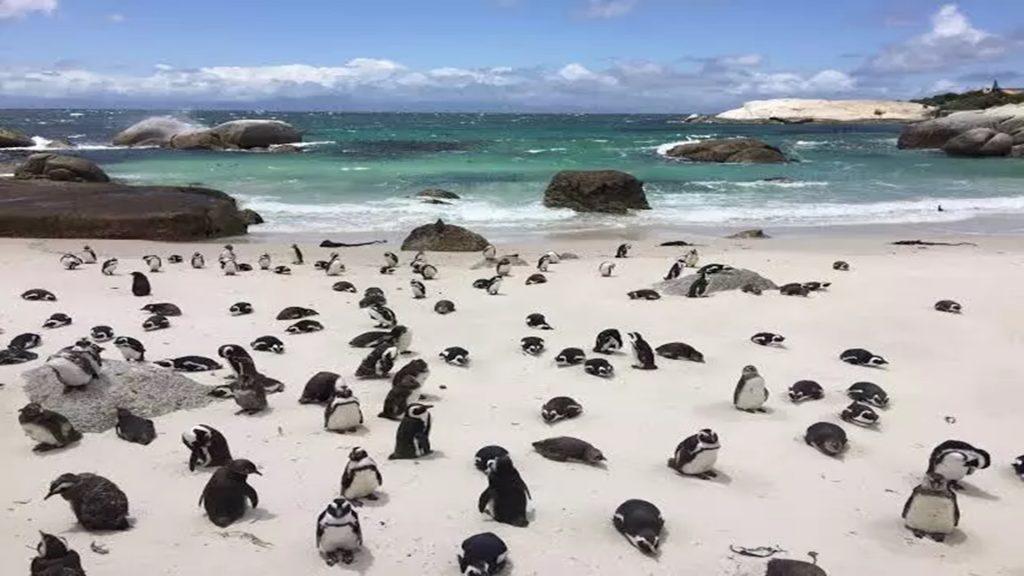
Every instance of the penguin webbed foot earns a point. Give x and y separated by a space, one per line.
347 557
330 559
956 485
938 537
40 448
710 474
372 497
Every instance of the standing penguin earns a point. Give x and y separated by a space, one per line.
140 284
296 255
697 455
198 261
608 341
225 494
264 261
606 269
750 394
54 558
131 349
109 267
334 266
154 262
932 509
641 523
493 285
419 291
229 267
88 255
623 250
699 287
50 429
543 262
98 503
642 352
361 478
412 439
676 270
482 554
70 261
343 414
504 267
209 448
505 498
691 258
338 532
250 394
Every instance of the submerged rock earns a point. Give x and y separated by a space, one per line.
609 191
733 279
441 237
63 168
741 150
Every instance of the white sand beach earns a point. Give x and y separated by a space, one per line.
950 377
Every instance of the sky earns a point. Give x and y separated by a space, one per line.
671 56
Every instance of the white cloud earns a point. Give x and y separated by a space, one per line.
604 9
826 82
16 8
579 74
116 18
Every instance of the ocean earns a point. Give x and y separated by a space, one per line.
357 171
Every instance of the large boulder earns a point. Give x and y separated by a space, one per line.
155 131
608 191
438 194
14 139
247 134
934 134
251 217
441 237
732 279
979 142
198 140
57 167
741 150
171 132
786 567
48 209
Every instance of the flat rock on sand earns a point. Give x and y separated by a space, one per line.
145 390
726 280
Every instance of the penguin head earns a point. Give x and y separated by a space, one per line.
418 411
121 342
342 391
398 332
51 546
339 508
750 371
229 351
138 276
242 467
499 465
635 337
196 436
357 454
708 437
877 361
647 540
62 484
490 252
30 411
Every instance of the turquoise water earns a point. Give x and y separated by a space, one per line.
357 171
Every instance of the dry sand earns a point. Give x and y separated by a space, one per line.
773 489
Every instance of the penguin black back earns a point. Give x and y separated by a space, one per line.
140 284
225 495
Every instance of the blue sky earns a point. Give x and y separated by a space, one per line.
516 55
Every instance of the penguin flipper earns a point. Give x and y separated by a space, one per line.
346 478
485 497
956 510
906 506
380 479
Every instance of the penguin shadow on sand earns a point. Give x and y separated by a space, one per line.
361 562
381 500
970 490
720 477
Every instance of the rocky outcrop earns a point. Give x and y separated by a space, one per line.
608 191
247 134
251 217
979 142
155 131
60 144
438 194
170 132
799 110
62 168
48 209
753 234
732 279
200 140
937 133
14 139
733 150
441 237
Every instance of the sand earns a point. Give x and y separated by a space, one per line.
773 490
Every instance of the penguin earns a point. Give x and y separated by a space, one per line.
229 267
827 437
543 262
868 393
623 250
226 492
49 429
506 496
88 255
338 533
955 459
751 289
70 262
862 357
361 478
268 344
240 309
54 558
493 285
455 356
841 266
320 265
57 320
378 363
691 258
250 394
714 268
198 261
490 252
932 509
570 357
641 523
101 333
419 291
38 295
370 339
536 279
390 259
481 283
162 308
599 367
608 341
444 307
320 388
208 447
644 294
296 313
384 316
264 261
140 284
297 259
484 456
428 271
768 339
676 270
750 394
816 286
412 376
109 267
26 341
568 449
642 353
412 439
154 262
156 322
97 502
554 257
240 362
401 338
1018 466
805 390
538 321
699 287
227 255
91 351
386 270
606 269
794 289
135 429
11 356
282 270
697 455
504 267
560 408
344 286
532 345
130 348
73 369
334 266
343 413
190 364
482 554
679 351
948 306
860 414
370 300
304 327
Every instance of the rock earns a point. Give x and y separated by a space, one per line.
198 140
250 217
723 281
146 390
755 233
247 134
435 201
57 167
60 144
979 142
155 131
792 110
174 133
284 149
746 150
13 139
934 134
1017 151
437 193
48 209
785 567
608 191
441 237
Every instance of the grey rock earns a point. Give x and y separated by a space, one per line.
786 567
13 139
723 281
732 150
437 193
441 237
250 217
61 144
247 134
934 134
63 168
607 191
979 142
155 131
755 233
196 140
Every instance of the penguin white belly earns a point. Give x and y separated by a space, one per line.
752 395
701 463
40 434
364 483
931 514
337 538
953 467
70 374
345 417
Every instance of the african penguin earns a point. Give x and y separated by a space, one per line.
57 320
482 554
343 413
860 414
570 357
47 428
623 250
805 390
140 284
606 269
490 252
543 262
26 341
504 267
189 364
240 309
484 456
794 289
505 498
428 271
412 439
827 437
697 455
101 333
455 356
297 259
493 285
750 394
268 344
88 255
641 523
344 286
38 295
74 369
642 353
383 316
162 308
955 459
320 388
768 339
306 326
691 258
175 259
334 266
54 558
229 267
133 428
869 393
932 509
250 393
568 449
948 306
97 502
644 294
296 313
532 345
156 322
130 348
225 495
817 286
198 261
841 266
598 367
444 307
699 287
282 270
154 262
207 446
109 267
862 357
536 279
560 408
679 351
338 533
390 259
378 363
264 261
70 261
537 321
676 270
361 478
419 291
608 341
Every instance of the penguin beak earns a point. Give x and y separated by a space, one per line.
50 493
257 472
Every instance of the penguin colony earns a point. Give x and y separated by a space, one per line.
931 509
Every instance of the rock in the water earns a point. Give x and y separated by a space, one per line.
63 168
146 390
155 131
746 150
935 134
785 567
250 217
247 134
174 133
60 144
441 237
608 191
979 142
13 139
755 233
437 193
732 279
47 209
197 140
